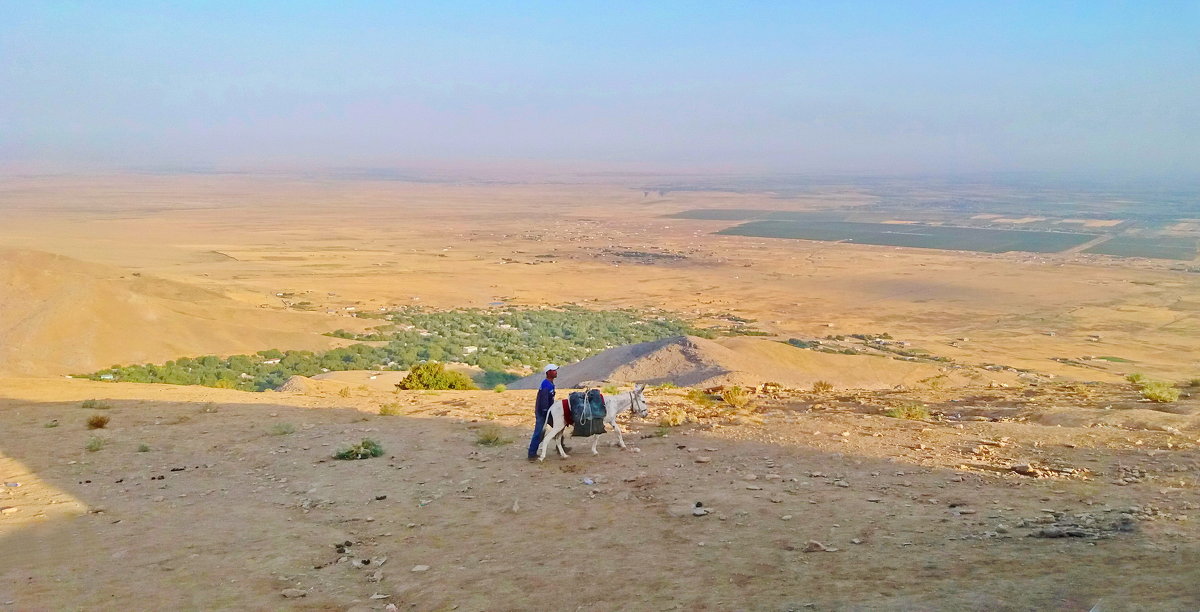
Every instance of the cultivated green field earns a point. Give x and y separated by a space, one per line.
918 236
1158 247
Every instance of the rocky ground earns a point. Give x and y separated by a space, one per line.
1040 497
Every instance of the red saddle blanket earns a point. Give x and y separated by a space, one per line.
567 418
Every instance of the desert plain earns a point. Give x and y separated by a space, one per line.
1039 479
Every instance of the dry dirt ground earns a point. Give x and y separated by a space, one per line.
815 502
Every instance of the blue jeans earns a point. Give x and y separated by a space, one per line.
540 418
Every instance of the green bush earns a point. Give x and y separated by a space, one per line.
363 450
433 375
914 411
610 390
392 409
283 429
499 388
143 448
1161 392
1195 382
95 404
94 444
666 385
1136 378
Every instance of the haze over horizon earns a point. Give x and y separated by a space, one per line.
906 87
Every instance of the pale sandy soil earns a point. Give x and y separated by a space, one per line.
221 514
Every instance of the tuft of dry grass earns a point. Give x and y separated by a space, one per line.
913 411
673 417
283 429
95 404
736 397
1160 392
491 436
94 444
97 421
391 409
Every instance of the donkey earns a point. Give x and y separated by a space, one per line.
634 401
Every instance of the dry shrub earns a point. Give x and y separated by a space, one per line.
1161 392
95 404
391 409
673 417
344 392
97 421
94 444
914 411
736 397
491 436
699 397
283 429
822 386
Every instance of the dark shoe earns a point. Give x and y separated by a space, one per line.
533 459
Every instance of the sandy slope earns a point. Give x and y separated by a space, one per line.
692 361
59 315
220 513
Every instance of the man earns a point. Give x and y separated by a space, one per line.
545 399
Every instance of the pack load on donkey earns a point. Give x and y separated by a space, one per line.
586 411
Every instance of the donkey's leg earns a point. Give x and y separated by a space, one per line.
558 440
620 438
595 441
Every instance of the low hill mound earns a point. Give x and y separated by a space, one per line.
60 315
691 361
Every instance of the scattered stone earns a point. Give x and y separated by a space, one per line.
874 500
420 568
703 459
1024 469
786 517
380 596
815 546
753 488
841 483
700 511
294 593
750 477
856 541
9 510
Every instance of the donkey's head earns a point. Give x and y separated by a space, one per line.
639 401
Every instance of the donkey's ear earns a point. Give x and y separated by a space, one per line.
639 387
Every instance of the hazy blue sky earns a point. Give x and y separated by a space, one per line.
885 86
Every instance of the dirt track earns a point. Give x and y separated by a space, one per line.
923 521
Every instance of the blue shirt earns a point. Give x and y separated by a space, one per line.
545 396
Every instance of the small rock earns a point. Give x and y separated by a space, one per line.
841 483
420 568
703 459
750 477
391 608
9 510
1024 469
380 596
874 500
294 593
699 511
814 546
856 541
753 488
786 517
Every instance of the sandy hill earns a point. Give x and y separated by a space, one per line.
691 361
60 315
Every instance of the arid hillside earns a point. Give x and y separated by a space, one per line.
59 316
